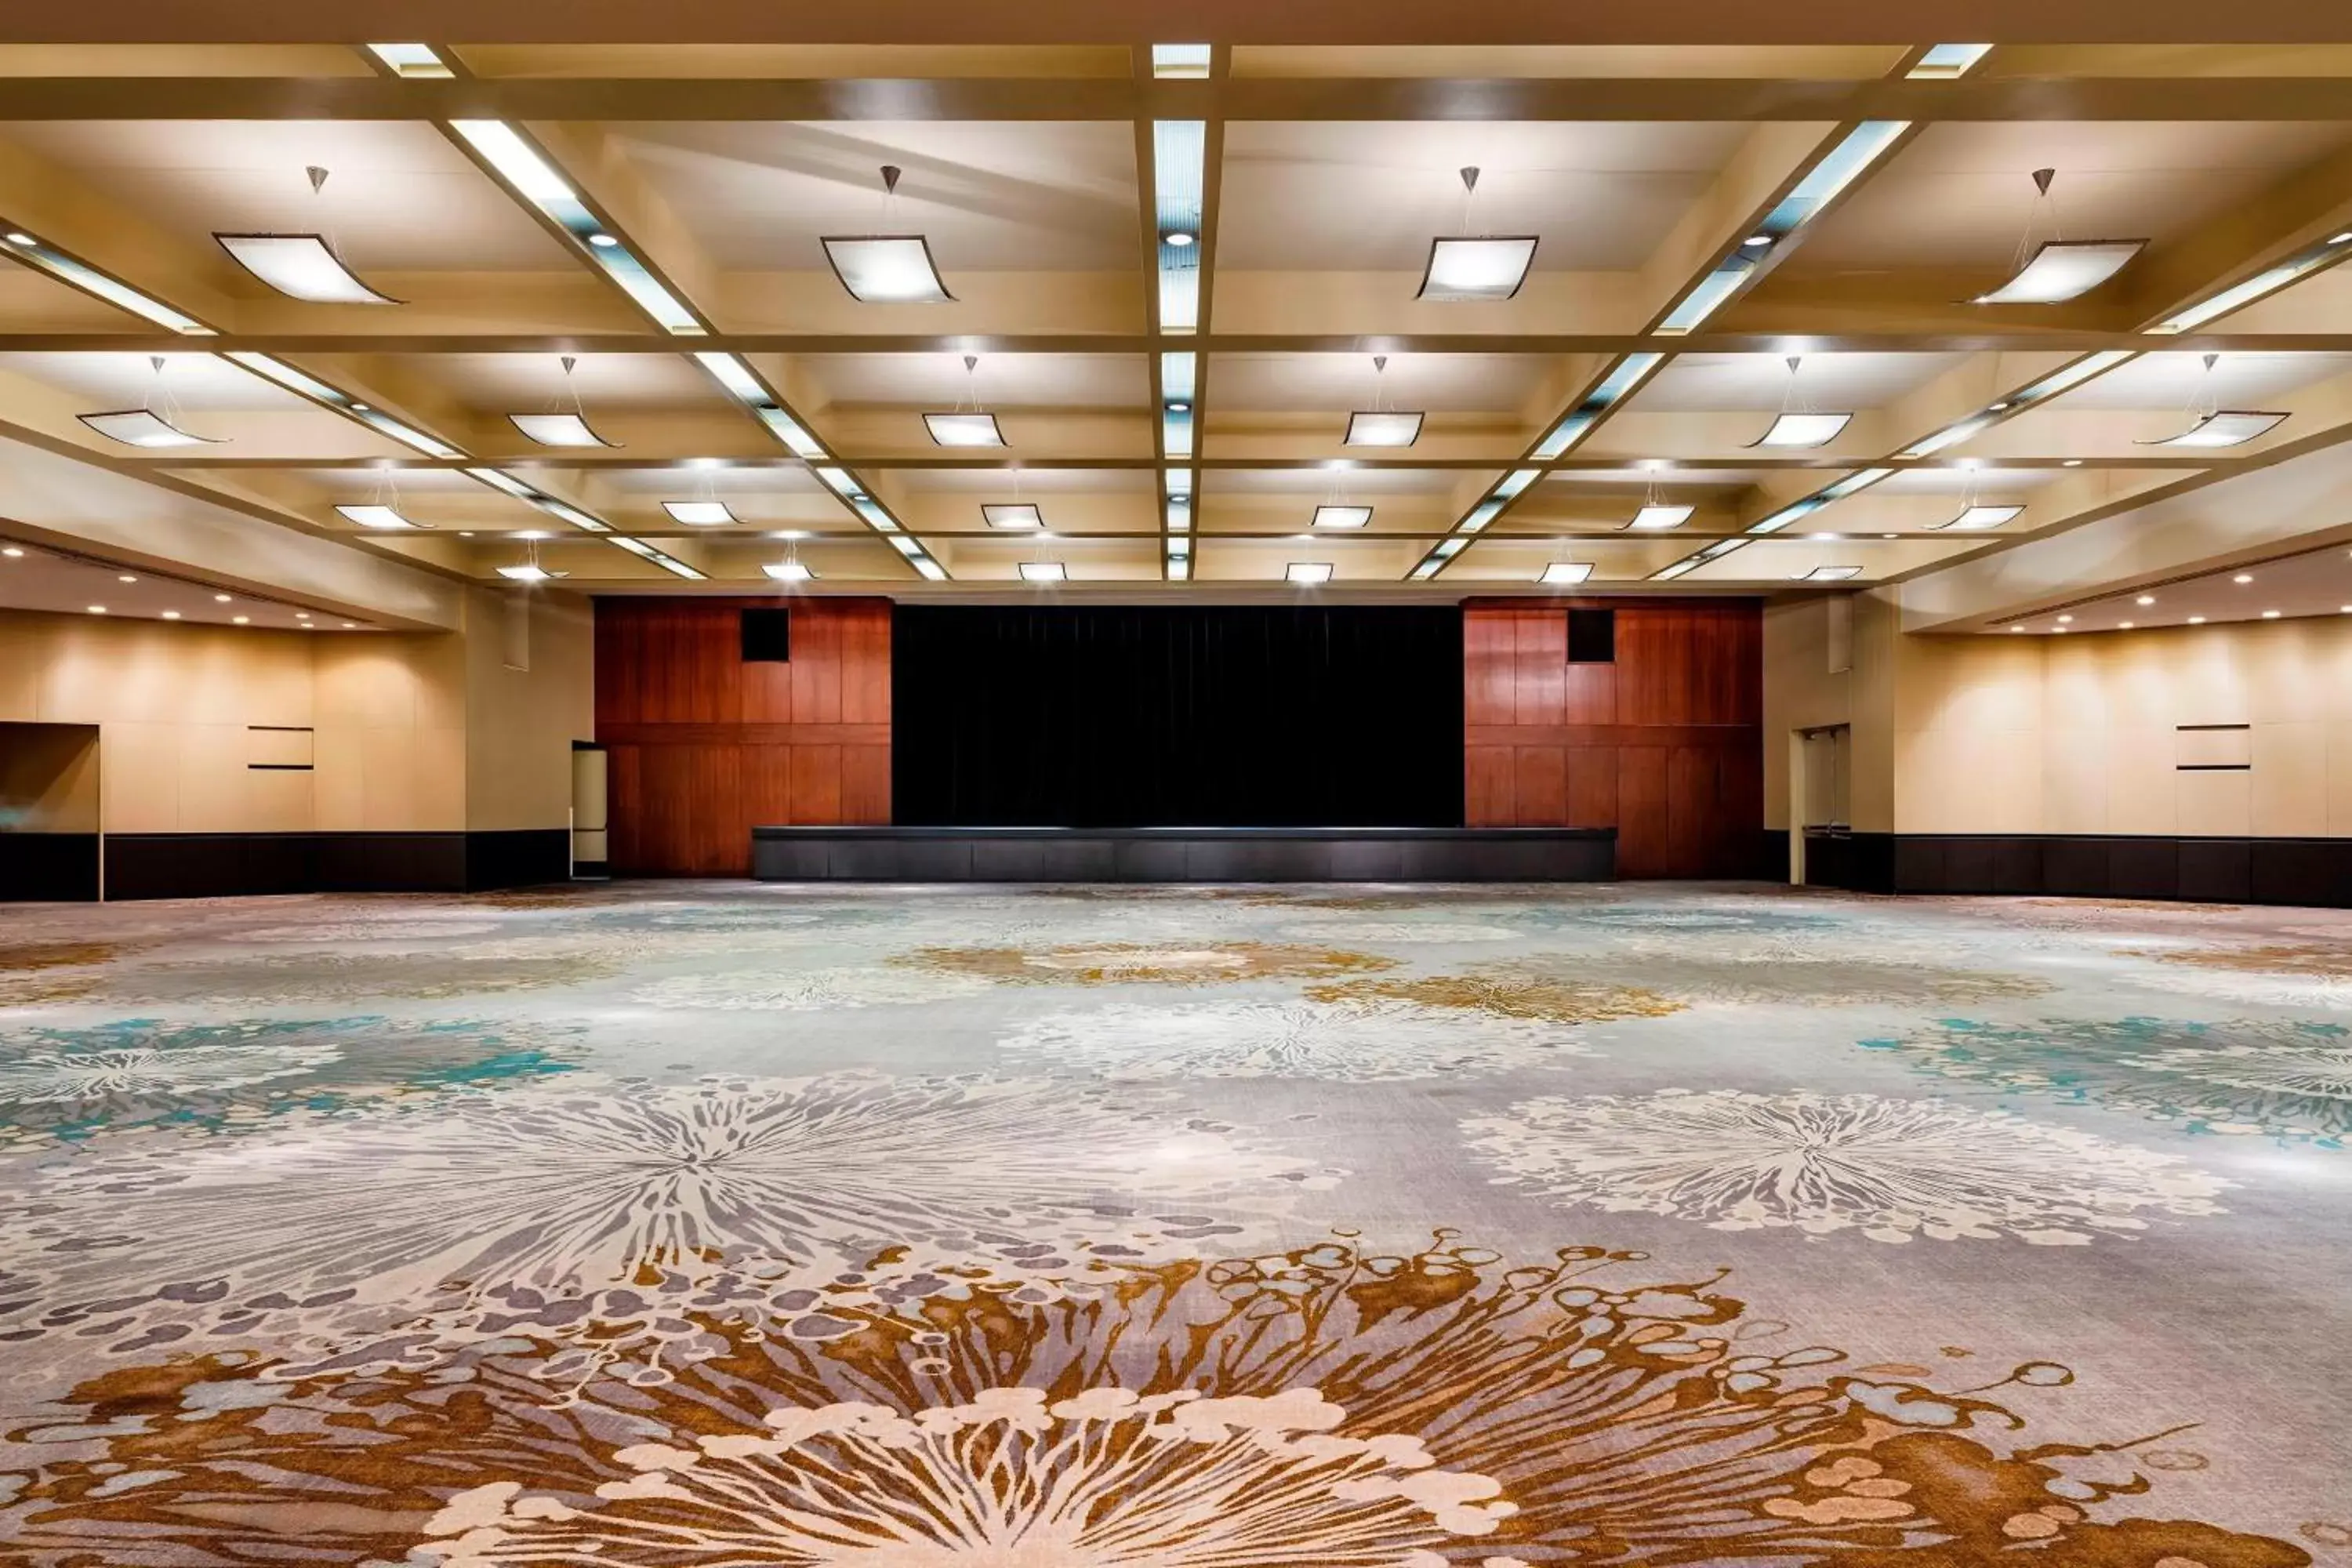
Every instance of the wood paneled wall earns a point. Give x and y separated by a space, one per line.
1665 744
704 747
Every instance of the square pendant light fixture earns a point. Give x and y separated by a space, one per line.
1803 430
559 430
143 427
1342 516
300 266
1308 574
1481 268
1976 519
1043 572
1829 574
1382 429
530 571
2227 427
789 572
1016 515
377 516
963 429
1563 574
1656 518
887 270
699 513
2065 269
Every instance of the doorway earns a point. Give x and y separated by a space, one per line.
49 813
1821 810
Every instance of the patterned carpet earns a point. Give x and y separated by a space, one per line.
713 1226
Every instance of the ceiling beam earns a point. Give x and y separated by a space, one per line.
1713 99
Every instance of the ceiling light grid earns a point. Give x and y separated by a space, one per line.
1180 151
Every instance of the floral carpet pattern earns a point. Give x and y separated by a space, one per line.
712 1226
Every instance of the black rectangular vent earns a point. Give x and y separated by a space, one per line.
1591 637
767 637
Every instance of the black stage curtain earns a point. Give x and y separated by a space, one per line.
1165 717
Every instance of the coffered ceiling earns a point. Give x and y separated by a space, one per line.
1174 275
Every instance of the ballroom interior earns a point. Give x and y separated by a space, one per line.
1175 787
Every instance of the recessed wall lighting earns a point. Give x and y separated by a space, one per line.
1308 574
1043 572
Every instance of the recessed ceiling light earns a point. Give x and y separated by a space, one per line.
2123 625
1756 241
126 577
1654 518
18 237
221 599
788 571
143 427
2061 631
241 620
1482 268
2145 600
1382 429
603 241
1015 514
2243 577
2002 407
963 429
2072 463
1976 519
1043 572
559 430
97 609
1342 516
378 517
2270 615
2065 269
171 615
888 269
1560 573
2196 620
2228 427
2017 628
1890 536
301 267
698 513
350 625
13 552
1803 430
2344 239
2065 620
1308 574
1178 406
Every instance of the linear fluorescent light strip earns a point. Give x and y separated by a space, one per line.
531 177
1178 152
1837 169
1176 379
1516 481
38 254
341 401
1942 62
1180 61
1628 374
736 376
1484 512
2065 378
2331 249
410 60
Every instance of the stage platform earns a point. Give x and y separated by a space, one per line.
1184 854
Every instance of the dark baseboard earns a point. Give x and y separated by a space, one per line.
2315 872
218 865
1183 855
48 868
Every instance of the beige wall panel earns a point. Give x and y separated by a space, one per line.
2215 804
2075 781
1959 781
1873 789
2289 780
2140 774
519 723
2339 777
139 777
213 796
1799 692
2285 667
279 744
2200 748
339 781
277 801
20 670
2207 676
2134 676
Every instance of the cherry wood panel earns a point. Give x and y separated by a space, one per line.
704 747
1665 744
